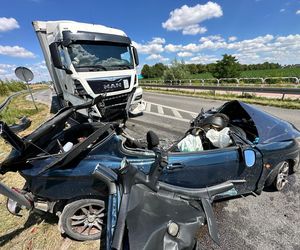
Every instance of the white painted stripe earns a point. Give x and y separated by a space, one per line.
181 110
148 107
167 116
160 109
176 113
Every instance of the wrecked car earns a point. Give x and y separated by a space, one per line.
235 145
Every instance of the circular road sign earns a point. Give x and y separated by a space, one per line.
24 74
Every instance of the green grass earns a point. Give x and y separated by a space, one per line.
248 98
18 108
285 72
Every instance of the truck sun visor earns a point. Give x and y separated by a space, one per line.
69 37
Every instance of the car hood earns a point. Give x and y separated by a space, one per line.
270 128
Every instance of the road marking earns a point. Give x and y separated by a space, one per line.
148 107
182 110
176 113
167 116
160 109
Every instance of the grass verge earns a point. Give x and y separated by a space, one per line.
32 230
248 98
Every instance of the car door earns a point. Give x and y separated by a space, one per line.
211 167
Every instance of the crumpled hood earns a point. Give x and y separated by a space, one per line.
270 128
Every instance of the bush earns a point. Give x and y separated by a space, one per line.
228 67
176 72
11 86
3 90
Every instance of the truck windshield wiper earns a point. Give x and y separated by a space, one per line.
92 67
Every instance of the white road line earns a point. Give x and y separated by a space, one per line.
148 107
167 116
182 110
176 113
160 109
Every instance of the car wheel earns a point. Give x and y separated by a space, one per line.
83 219
281 177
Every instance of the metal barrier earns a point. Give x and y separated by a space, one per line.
282 91
9 98
295 80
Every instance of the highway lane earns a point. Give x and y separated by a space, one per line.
194 104
268 221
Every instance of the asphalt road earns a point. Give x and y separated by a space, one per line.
268 221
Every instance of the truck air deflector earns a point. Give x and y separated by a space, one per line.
69 37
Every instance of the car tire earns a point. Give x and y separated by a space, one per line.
281 176
83 219
296 168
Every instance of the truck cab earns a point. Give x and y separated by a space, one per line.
87 60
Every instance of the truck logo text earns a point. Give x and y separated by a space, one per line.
109 86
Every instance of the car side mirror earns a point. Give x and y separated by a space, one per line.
136 56
249 157
56 59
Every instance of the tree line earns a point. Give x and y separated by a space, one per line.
228 67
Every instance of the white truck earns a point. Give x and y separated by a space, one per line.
85 60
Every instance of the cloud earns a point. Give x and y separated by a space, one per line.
298 12
7 71
7 24
39 69
232 38
281 49
282 10
188 19
184 54
154 46
217 38
157 57
193 30
16 51
172 48
157 40
203 59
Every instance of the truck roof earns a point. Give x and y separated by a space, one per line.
53 26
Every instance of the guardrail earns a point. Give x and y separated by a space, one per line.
283 91
9 98
262 80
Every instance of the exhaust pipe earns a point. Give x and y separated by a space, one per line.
14 195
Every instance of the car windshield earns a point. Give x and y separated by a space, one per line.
100 56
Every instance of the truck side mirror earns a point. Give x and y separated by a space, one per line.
56 59
55 56
136 56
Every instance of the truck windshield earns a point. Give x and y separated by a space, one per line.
98 56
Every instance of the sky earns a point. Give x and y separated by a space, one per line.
254 31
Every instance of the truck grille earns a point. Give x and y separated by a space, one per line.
115 107
109 84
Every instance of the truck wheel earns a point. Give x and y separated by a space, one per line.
83 219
